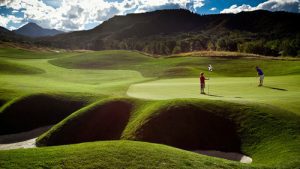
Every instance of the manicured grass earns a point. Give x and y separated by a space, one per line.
112 59
8 67
112 155
179 66
280 91
189 124
264 120
75 82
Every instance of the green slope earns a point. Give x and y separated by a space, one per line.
112 155
252 129
8 67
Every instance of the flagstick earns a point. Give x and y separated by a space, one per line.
209 70
208 89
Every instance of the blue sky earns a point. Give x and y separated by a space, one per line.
70 15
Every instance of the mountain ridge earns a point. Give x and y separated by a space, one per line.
34 30
173 31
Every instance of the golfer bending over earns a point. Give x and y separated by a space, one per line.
202 82
261 75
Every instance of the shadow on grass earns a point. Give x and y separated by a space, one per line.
213 95
275 88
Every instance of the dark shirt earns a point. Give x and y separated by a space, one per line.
259 71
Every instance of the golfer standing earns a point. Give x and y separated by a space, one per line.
202 82
261 75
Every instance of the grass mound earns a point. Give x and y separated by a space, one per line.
191 124
33 111
191 127
104 120
14 68
112 155
111 59
254 130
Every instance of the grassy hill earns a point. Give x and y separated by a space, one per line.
111 154
84 92
252 129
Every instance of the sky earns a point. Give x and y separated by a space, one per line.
72 15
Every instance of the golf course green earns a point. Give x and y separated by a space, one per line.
126 109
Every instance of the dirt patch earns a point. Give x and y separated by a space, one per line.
192 128
35 111
101 122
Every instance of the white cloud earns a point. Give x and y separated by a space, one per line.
213 9
12 28
237 9
271 5
4 20
75 14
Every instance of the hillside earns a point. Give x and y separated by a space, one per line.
34 30
175 31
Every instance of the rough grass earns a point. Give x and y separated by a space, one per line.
30 112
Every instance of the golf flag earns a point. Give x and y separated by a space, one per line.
210 68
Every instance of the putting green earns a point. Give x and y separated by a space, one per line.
281 91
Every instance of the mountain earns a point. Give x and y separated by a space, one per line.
34 30
173 31
9 36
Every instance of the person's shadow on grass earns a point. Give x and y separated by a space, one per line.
275 88
213 95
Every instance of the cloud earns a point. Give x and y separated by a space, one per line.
271 5
213 9
5 20
75 14
237 9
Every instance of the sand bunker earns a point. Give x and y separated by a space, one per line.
226 155
21 140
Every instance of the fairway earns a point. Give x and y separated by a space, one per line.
279 91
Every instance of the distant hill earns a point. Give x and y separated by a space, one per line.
174 31
33 30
